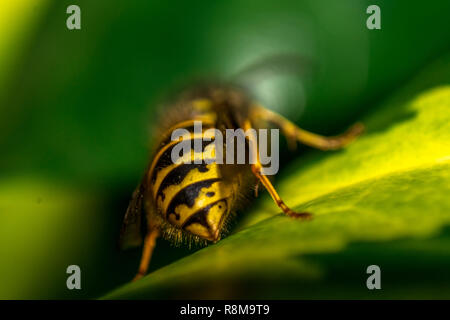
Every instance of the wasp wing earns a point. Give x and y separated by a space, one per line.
274 65
133 226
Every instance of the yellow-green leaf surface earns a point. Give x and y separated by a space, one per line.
385 200
17 22
42 220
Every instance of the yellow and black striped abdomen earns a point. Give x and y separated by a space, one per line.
193 197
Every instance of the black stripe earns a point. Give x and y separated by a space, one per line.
188 196
177 175
167 137
165 159
200 215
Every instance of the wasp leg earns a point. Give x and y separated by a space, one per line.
147 251
256 169
294 133
257 189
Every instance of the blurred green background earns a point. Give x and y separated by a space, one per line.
76 107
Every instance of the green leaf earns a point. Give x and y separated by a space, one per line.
17 22
39 222
384 200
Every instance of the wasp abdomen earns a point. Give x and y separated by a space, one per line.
191 196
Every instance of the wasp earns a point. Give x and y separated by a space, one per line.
195 202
